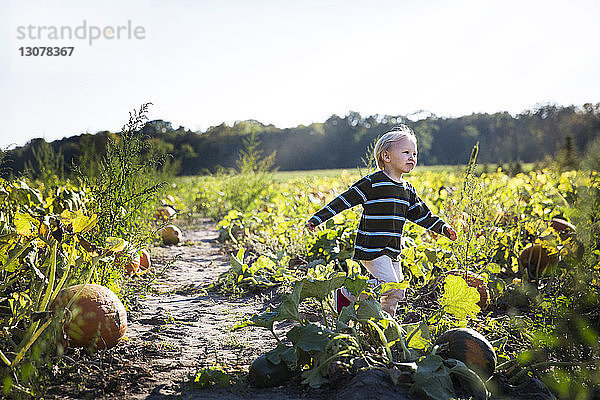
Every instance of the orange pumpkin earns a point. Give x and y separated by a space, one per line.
536 259
133 263
171 234
96 319
165 213
477 283
128 260
144 260
470 347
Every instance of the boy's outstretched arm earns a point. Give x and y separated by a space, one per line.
450 233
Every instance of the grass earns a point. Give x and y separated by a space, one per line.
282 176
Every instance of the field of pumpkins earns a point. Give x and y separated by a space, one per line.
513 302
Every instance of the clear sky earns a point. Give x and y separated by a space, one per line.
202 63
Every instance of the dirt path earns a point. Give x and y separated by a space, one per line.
184 327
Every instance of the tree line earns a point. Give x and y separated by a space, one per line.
339 142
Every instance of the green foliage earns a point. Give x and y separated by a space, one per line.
591 158
567 158
459 299
432 379
505 139
41 252
3 158
261 274
236 190
56 233
46 164
126 186
208 377
547 327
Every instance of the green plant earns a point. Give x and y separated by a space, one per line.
125 186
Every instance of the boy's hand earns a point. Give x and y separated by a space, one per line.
450 233
310 225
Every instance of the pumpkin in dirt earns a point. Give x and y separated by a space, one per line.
145 260
477 283
263 373
96 319
171 234
564 228
537 260
132 263
470 347
165 213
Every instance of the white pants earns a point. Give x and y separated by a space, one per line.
384 269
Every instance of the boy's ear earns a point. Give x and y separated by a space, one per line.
385 156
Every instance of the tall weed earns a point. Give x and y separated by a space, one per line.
126 184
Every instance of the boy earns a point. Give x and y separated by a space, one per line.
388 201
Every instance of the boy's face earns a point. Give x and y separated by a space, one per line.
401 157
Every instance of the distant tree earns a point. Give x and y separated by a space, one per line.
567 158
46 163
591 158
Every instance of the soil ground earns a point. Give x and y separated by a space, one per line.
179 327
182 326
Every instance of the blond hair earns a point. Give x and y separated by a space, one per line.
387 139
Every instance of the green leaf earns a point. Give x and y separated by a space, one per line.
288 309
263 263
67 216
25 224
418 335
207 377
356 285
309 338
346 315
237 261
432 379
387 286
369 308
115 244
320 289
264 320
83 224
459 299
492 268
283 353
313 377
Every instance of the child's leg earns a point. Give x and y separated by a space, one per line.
386 270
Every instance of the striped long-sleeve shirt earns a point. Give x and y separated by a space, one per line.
387 205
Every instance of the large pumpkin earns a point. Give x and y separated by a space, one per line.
536 259
470 347
170 234
477 283
263 373
96 319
